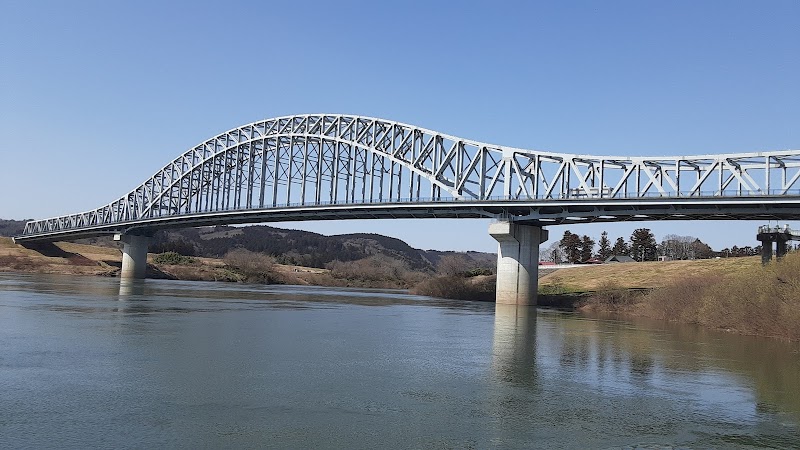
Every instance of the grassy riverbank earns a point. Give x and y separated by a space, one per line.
64 258
643 275
733 294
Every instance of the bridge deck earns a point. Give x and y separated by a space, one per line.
541 213
333 166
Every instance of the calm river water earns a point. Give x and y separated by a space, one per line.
85 362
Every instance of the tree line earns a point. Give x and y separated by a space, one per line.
641 246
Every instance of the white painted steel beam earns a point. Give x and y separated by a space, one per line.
320 160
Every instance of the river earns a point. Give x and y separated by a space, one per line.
87 362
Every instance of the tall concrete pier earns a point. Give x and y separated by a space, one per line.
517 261
134 255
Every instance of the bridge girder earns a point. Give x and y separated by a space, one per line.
319 166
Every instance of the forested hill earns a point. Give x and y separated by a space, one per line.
11 228
302 248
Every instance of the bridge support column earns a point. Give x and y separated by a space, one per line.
766 252
134 255
777 237
780 248
517 261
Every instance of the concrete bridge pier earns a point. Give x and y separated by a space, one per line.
134 255
766 252
780 249
517 261
780 236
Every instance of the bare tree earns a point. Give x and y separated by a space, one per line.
371 268
678 247
456 264
254 266
553 253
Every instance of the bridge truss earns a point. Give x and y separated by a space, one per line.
308 167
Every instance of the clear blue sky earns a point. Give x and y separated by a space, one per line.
95 96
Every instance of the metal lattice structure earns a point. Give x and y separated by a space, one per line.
310 167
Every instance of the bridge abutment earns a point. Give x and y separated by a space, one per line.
134 255
517 261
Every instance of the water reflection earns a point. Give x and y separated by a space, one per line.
731 376
58 286
248 363
131 288
87 295
514 344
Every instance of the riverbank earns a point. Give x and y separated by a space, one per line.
69 258
735 294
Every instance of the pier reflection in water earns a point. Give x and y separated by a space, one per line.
514 344
661 383
131 288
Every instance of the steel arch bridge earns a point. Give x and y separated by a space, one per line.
331 166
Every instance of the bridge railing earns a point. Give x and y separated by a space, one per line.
76 222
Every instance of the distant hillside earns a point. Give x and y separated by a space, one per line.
301 248
11 228
295 247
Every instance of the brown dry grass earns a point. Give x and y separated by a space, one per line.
16 258
92 251
643 275
287 268
745 298
6 242
199 272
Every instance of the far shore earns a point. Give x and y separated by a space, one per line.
79 259
731 294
